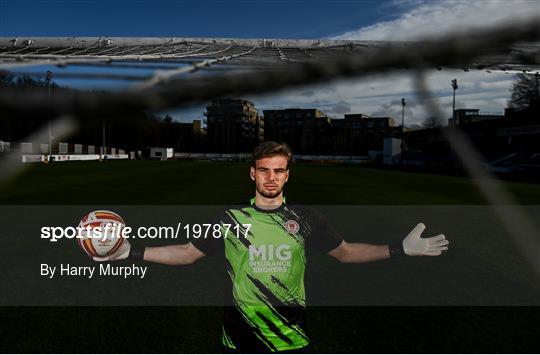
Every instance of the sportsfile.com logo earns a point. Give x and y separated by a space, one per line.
106 225
189 231
101 225
103 232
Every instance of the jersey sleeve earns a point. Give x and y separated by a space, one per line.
211 245
208 245
323 236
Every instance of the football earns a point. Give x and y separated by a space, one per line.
100 233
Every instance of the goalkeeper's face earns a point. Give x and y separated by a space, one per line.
270 175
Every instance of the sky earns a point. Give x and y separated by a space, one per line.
201 18
309 19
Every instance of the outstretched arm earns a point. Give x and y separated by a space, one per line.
179 254
360 252
412 245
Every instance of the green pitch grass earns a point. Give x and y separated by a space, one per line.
169 182
333 329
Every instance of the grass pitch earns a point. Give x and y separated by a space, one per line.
200 183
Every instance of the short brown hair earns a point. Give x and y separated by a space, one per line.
271 149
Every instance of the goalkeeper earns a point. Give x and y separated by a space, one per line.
267 267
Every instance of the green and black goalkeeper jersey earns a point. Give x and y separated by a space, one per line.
266 264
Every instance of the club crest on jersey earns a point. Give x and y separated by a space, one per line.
292 226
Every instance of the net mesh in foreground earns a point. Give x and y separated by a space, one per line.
166 72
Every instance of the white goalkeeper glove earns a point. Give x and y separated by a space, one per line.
120 254
413 245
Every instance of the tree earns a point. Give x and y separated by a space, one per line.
525 92
133 129
8 80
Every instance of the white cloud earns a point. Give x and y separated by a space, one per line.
500 84
381 95
433 18
342 107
